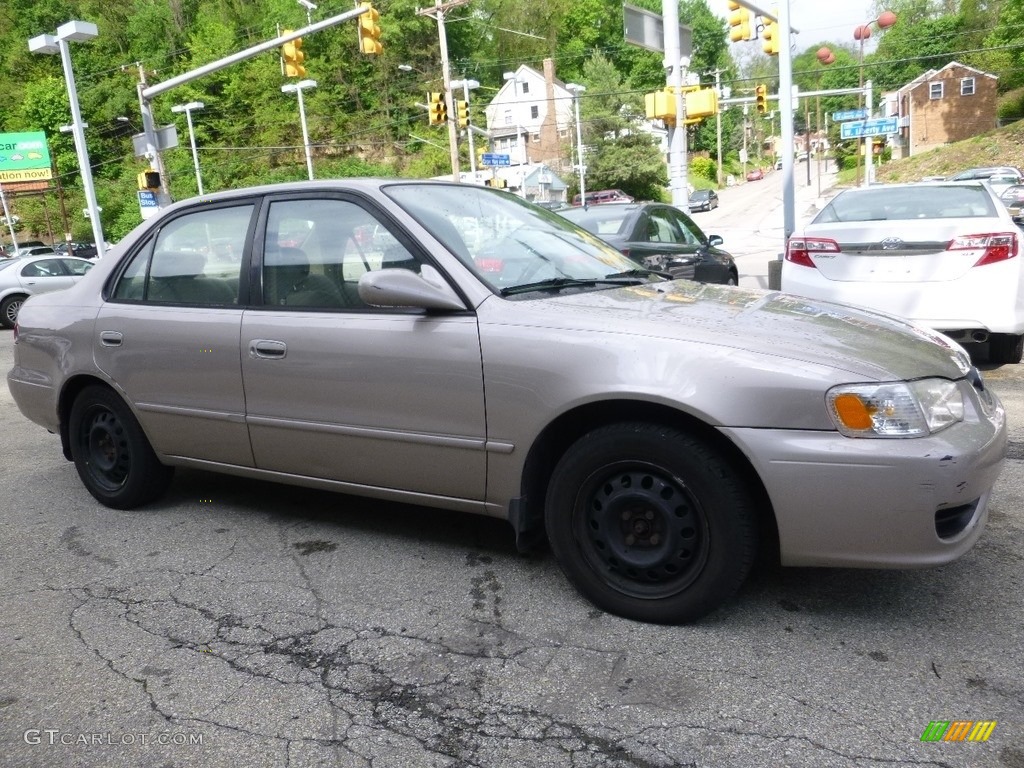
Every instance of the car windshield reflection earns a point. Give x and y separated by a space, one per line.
512 245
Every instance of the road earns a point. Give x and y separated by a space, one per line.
237 623
749 217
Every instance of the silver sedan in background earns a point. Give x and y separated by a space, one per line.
454 346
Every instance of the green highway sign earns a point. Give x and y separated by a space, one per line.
24 157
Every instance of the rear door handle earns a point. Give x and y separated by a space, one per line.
111 338
268 349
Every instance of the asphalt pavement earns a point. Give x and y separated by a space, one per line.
237 623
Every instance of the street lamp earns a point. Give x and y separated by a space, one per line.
298 88
79 31
310 7
576 90
885 20
188 109
467 86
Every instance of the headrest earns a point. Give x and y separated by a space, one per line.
177 264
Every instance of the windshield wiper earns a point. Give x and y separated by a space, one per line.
558 283
639 273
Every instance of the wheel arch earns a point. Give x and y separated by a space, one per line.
556 438
72 387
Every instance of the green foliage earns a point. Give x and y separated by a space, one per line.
1011 106
631 163
704 167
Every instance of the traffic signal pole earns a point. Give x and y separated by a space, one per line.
148 93
674 66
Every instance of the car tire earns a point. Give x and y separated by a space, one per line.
1006 348
111 452
9 309
650 523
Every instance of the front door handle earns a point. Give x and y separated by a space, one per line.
268 349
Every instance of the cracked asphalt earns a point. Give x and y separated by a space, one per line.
245 624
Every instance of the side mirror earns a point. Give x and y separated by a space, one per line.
405 288
714 240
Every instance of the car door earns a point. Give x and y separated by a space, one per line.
43 275
659 242
168 333
335 389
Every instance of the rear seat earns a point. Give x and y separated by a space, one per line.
177 277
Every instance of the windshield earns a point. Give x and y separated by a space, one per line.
911 202
509 243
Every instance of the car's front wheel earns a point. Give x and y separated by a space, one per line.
1006 348
112 454
9 309
650 523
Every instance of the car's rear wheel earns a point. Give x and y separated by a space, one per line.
112 455
9 309
650 523
1006 348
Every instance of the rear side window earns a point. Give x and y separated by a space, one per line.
195 259
900 203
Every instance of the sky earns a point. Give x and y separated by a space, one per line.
817 20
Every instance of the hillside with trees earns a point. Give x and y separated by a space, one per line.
363 115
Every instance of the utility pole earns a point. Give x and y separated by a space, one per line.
674 66
437 12
718 123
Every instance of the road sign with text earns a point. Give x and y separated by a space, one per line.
849 114
492 159
877 127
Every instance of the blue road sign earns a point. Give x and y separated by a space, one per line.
492 159
850 114
147 199
877 127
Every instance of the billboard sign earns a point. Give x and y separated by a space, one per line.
24 157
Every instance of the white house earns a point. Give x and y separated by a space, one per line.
531 118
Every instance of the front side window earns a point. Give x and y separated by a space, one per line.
195 258
316 250
76 267
691 232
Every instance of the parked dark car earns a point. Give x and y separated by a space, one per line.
81 250
703 200
660 237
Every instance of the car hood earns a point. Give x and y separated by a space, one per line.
863 342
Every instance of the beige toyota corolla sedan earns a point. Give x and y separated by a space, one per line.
455 346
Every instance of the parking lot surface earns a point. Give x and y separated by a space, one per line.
244 624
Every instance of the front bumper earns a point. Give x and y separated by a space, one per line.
846 502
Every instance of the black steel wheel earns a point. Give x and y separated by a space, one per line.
9 309
650 523
112 455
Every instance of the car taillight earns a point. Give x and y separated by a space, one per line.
998 246
799 249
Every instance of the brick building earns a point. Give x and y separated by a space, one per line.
942 106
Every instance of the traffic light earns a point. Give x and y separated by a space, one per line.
761 98
770 38
293 56
149 179
369 30
462 112
437 111
739 22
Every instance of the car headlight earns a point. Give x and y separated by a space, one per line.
895 409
